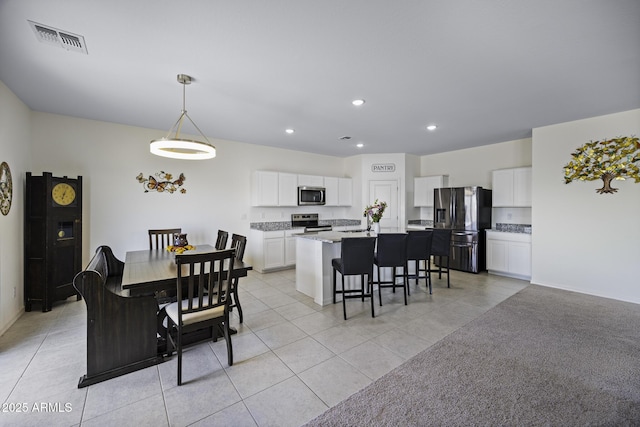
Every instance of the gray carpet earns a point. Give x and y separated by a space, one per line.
542 357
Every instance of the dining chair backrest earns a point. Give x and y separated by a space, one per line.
206 279
392 249
419 244
221 241
357 255
239 243
441 244
161 238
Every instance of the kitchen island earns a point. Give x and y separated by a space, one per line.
314 252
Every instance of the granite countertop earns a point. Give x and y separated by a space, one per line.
333 236
513 228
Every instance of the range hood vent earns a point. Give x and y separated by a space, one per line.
60 38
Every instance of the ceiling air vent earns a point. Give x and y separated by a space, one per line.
60 38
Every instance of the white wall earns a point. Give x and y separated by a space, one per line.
584 241
15 148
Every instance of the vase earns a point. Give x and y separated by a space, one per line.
180 239
376 227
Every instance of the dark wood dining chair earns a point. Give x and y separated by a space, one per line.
238 243
392 252
221 241
419 251
356 258
161 238
204 301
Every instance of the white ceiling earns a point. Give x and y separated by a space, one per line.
484 71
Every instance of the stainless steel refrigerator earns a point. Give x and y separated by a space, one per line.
467 212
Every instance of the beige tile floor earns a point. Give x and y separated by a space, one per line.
293 359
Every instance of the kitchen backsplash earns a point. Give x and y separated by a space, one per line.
286 225
514 228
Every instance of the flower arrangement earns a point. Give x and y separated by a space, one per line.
606 160
375 211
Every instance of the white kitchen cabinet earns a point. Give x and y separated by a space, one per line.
509 254
332 191
338 191
310 181
512 187
423 187
345 191
290 247
287 189
273 250
264 188
269 188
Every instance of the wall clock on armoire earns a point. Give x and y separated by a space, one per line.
52 239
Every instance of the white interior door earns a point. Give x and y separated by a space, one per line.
386 191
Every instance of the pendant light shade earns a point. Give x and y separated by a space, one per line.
173 146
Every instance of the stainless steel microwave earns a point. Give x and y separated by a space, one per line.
311 196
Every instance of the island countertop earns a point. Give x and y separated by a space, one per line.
333 236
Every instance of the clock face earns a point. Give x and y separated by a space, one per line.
63 194
6 188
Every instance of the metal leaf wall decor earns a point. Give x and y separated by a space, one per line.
607 160
162 183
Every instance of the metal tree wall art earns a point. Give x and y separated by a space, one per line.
606 160
163 183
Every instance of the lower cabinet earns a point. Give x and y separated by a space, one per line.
509 254
273 250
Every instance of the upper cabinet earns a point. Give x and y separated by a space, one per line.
264 191
423 187
287 189
512 187
270 188
338 191
331 194
345 191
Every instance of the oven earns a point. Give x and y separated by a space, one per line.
309 222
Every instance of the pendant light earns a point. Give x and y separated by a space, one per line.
173 146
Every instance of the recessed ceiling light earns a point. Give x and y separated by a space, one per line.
359 145
289 131
357 102
432 127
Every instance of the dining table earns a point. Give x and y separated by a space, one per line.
151 271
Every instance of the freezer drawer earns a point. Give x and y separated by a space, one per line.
467 251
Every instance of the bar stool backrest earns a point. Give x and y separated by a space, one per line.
419 244
392 249
441 244
357 255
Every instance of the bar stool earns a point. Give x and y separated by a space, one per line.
356 258
419 249
441 247
392 252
